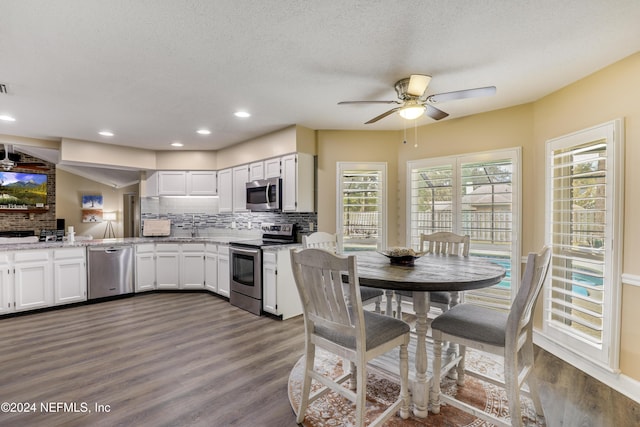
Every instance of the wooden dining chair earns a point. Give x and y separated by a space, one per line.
506 334
336 322
333 243
442 242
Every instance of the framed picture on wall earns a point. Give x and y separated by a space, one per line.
91 215
92 201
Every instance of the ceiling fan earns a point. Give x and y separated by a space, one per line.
11 160
413 101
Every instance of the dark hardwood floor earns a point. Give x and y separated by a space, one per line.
192 359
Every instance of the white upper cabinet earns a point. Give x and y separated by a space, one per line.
172 183
225 190
240 179
298 192
181 183
256 171
272 168
201 183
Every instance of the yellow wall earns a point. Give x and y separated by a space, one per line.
69 191
611 93
356 146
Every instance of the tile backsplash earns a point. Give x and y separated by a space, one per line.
202 213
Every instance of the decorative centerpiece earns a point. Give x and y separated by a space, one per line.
402 256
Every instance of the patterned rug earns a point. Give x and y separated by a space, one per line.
334 410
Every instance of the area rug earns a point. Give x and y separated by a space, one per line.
334 410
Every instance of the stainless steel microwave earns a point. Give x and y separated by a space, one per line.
264 195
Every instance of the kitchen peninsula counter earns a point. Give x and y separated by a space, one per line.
120 241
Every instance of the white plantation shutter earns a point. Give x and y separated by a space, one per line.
432 197
476 194
361 205
488 204
583 201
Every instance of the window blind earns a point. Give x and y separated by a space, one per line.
474 195
361 205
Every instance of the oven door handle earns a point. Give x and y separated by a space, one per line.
244 251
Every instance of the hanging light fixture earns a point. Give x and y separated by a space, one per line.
412 110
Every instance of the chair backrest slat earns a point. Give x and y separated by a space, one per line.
444 242
522 308
322 240
326 299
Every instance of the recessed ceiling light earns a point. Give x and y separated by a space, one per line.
6 118
242 114
204 131
177 144
106 133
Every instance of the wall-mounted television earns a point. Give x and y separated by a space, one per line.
20 190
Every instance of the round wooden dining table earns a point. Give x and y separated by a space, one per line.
431 272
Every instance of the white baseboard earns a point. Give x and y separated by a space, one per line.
617 381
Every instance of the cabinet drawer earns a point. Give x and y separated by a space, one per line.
145 248
167 247
69 253
193 247
22 256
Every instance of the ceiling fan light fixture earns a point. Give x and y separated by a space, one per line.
411 112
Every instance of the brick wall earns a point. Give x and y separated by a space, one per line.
20 220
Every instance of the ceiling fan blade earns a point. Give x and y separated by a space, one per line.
435 113
383 115
367 102
462 94
418 84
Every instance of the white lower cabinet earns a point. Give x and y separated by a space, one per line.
178 266
224 282
32 280
6 285
269 282
145 267
192 268
35 279
69 275
279 292
211 267
167 266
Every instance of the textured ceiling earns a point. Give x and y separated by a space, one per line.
155 71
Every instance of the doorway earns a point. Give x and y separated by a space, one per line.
131 215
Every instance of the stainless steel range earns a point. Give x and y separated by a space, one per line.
246 265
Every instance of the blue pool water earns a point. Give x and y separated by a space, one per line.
577 277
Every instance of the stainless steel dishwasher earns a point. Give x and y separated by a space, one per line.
110 271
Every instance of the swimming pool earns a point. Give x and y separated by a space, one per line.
583 277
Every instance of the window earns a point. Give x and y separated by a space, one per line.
361 205
475 194
584 205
